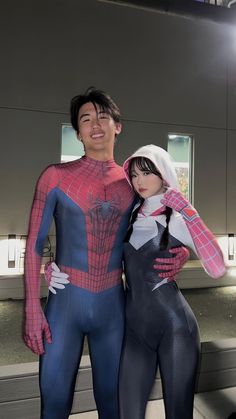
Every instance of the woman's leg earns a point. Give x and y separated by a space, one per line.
137 375
178 358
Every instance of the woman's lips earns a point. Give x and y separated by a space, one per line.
141 190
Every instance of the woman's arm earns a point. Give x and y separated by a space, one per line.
204 241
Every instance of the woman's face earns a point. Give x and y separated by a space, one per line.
145 183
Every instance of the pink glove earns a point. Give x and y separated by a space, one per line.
173 265
34 326
175 200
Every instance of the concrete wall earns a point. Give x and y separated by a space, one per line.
167 73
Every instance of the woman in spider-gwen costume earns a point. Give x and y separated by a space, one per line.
161 329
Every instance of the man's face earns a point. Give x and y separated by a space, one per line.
97 129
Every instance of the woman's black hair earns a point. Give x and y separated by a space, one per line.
98 98
146 165
132 220
165 235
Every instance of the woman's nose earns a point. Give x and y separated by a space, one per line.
139 181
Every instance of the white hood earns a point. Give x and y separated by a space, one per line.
162 160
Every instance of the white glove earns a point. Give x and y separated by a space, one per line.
55 278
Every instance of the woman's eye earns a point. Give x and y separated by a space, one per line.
146 173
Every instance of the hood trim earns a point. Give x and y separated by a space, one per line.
162 161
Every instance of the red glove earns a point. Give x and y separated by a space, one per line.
173 265
34 327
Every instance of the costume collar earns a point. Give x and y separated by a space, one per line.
98 163
152 205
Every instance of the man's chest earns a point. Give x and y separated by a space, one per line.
104 193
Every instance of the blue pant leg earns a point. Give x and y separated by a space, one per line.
105 343
60 363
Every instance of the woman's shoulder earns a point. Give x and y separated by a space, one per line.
177 224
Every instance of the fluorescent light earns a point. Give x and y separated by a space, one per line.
11 250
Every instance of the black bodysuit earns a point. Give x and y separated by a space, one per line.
161 329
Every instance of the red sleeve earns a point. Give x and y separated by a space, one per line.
39 224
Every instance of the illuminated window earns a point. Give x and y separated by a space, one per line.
226 3
180 149
71 147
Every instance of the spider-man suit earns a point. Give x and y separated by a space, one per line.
91 202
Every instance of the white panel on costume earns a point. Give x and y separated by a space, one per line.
144 229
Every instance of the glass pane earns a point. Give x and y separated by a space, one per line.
71 147
180 149
226 3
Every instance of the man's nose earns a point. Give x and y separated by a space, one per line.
95 122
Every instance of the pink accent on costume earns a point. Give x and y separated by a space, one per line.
206 245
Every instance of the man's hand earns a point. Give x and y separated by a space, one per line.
54 277
172 265
35 326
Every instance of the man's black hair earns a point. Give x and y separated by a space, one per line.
98 98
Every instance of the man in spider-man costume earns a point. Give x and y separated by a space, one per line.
90 201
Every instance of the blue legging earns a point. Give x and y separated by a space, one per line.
73 313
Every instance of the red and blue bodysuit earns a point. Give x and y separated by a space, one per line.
91 203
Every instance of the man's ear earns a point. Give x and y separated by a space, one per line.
78 136
118 128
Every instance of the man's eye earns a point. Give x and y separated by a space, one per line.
104 116
85 120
